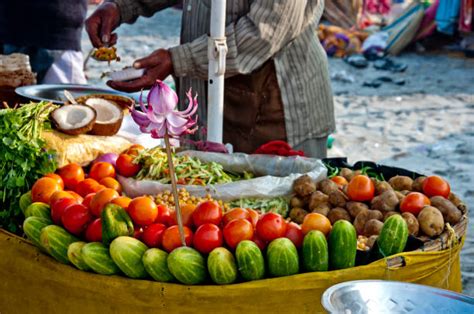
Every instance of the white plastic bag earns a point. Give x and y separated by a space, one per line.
274 176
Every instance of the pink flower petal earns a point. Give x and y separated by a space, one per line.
162 98
174 120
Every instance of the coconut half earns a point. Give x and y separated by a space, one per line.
74 119
109 116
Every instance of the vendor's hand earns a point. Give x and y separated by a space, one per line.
101 23
157 66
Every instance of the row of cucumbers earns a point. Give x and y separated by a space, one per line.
129 256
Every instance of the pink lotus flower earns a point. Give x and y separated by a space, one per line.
160 116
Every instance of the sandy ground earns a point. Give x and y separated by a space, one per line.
425 125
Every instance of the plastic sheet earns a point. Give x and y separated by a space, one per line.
274 176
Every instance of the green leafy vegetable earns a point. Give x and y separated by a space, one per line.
277 205
23 158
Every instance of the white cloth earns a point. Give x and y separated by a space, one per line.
67 68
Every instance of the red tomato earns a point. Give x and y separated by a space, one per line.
436 186
295 234
207 237
126 167
259 242
235 213
86 187
237 230
71 174
134 150
339 180
187 211
101 170
78 198
122 201
76 218
207 212
271 226
59 207
43 189
153 235
253 216
87 200
315 221
414 203
111 183
171 239
94 231
138 232
361 189
59 195
142 210
101 199
56 177
164 215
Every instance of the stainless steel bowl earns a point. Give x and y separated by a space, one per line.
379 296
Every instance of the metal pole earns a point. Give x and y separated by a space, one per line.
217 50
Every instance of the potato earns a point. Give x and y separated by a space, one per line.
431 221
322 209
400 196
418 184
360 221
298 202
337 198
304 186
412 222
297 215
327 186
338 213
400 183
354 208
375 214
371 240
382 186
405 192
346 173
387 201
388 214
450 212
373 227
317 198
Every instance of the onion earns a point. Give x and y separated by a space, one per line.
109 157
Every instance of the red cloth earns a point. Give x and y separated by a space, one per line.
279 148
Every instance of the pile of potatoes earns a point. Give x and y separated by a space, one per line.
332 201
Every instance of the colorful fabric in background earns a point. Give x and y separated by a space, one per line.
428 24
377 6
339 42
466 16
403 30
447 16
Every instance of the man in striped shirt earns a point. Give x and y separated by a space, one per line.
277 85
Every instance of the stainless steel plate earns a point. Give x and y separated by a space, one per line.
55 92
380 296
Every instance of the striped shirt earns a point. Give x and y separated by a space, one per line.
256 31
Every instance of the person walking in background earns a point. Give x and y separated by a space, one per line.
49 32
277 85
